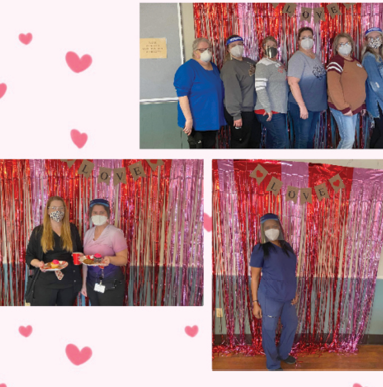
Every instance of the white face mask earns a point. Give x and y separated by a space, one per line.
206 56
345 50
237 51
99 220
272 234
307 43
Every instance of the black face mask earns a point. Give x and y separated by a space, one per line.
271 52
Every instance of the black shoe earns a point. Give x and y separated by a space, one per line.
278 369
289 360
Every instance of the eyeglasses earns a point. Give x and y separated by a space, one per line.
56 208
344 44
307 37
203 49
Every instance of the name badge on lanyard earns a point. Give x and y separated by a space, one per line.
99 288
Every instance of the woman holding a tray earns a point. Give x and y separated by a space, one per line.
54 283
104 284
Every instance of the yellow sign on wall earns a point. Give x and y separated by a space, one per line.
153 48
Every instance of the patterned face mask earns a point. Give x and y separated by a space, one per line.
57 215
374 43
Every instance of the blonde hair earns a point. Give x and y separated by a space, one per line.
336 42
367 49
197 42
47 239
264 41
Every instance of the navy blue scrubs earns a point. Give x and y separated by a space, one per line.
276 291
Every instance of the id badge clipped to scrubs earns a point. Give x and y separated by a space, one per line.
99 287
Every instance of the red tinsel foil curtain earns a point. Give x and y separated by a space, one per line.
338 242
161 216
255 21
16 220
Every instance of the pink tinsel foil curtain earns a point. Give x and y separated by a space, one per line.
338 242
255 21
161 216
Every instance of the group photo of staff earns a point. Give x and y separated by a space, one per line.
101 232
265 76
297 265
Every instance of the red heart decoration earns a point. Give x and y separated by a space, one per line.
191 331
3 89
76 356
207 222
77 64
153 161
25 331
25 38
336 183
259 174
78 138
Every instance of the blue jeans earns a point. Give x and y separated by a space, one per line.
304 129
271 312
346 127
276 131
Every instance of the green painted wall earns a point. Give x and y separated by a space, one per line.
375 327
158 127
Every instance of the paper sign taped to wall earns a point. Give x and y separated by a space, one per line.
151 48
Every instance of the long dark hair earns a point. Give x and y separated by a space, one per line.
268 246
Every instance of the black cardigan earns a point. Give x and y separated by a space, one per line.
35 250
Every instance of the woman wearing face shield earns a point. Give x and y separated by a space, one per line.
276 295
346 87
308 97
54 240
272 92
200 97
105 284
237 75
372 55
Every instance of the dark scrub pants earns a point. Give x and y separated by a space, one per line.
202 139
271 312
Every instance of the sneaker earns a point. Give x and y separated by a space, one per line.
278 369
289 360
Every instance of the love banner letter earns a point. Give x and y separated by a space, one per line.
259 173
104 175
292 194
137 170
274 186
336 183
86 168
306 195
321 191
119 176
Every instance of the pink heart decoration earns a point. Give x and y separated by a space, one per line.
3 385
78 138
25 331
76 356
207 222
356 385
25 38
77 64
191 331
3 89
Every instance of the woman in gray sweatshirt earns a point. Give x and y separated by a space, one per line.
272 95
237 75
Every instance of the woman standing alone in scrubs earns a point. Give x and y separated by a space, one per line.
276 295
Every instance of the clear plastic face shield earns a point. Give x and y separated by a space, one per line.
271 229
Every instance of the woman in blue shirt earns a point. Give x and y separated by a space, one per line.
276 296
373 63
200 97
